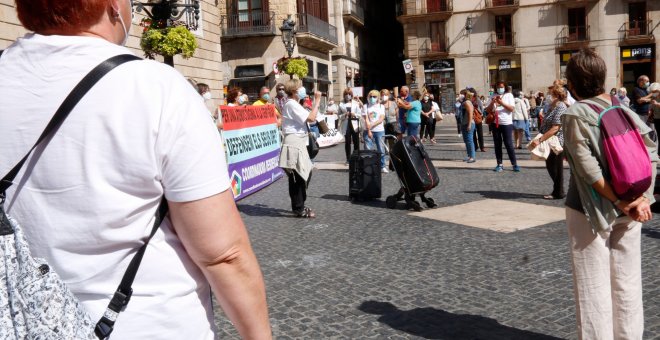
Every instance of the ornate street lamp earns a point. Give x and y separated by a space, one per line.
288 30
166 12
468 25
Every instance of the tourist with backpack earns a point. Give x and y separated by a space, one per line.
613 162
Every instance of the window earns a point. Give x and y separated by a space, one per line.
436 6
637 18
317 8
249 12
322 71
577 24
437 34
503 31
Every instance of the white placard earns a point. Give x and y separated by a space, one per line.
407 65
358 91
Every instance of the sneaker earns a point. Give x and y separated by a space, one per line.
384 170
499 168
516 168
471 160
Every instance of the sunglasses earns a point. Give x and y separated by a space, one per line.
373 97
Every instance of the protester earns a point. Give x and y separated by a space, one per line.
205 92
436 115
654 92
604 230
642 98
350 111
519 119
413 113
467 125
264 96
404 97
427 110
280 97
528 111
234 96
623 96
391 110
374 115
613 91
502 105
294 158
478 135
552 127
88 198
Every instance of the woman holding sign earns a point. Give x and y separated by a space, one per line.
294 158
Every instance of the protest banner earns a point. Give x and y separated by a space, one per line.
252 144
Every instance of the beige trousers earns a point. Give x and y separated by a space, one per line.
607 278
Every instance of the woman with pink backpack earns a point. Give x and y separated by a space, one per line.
613 161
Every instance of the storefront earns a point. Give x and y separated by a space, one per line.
564 57
440 80
250 78
506 68
636 61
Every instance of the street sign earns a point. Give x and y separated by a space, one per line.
275 69
407 65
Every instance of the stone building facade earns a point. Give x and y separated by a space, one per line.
454 44
203 67
328 35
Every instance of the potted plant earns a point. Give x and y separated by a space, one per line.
293 66
160 39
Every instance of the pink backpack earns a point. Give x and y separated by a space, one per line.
623 148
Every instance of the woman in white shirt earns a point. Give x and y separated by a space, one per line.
375 126
502 104
294 158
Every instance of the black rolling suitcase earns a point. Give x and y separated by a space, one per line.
364 180
413 166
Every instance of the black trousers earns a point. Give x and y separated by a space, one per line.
555 166
351 137
424 127
297 191
479 137
504 133
428 129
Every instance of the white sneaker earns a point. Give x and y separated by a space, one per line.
384 170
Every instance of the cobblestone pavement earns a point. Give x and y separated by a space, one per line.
361 271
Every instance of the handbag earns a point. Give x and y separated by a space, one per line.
34 301
323 127
312 144
478 116
492 118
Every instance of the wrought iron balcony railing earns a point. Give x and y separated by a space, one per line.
307 23
248 24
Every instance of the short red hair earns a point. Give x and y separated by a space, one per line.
66 15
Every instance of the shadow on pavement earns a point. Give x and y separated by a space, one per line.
431 323
263 210
652 233
505 194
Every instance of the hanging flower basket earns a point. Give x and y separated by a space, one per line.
167 41
293 66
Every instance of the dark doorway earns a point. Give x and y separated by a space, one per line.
382 46
577 24
637 18
503 31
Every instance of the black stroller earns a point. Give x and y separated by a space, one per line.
415 172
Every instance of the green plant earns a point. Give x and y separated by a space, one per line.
168 42
293 66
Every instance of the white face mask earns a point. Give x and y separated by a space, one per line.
348 98
385 98
123 25
500 90
302 93
207 95
241 100
426 97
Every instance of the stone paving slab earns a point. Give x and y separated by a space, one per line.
500 215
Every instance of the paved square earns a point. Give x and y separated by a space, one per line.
497 215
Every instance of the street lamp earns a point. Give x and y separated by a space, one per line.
288 30
164 12
468 25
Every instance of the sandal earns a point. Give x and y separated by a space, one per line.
306 213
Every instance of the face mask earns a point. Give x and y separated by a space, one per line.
348 98
373 100
646 85
266 97
612 93
385 98
207 95
281 93
302 93
426 98
500 90
241 100
123 26
331 103
461 97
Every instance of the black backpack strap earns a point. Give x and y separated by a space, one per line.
65 108
122 296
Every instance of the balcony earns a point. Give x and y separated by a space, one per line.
247 25
575 3
429 10
573 37
502 42
637 32
434 49
502 7
346 52
315 33
354 12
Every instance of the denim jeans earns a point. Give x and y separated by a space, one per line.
412 129
379 141
468 137
528 136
